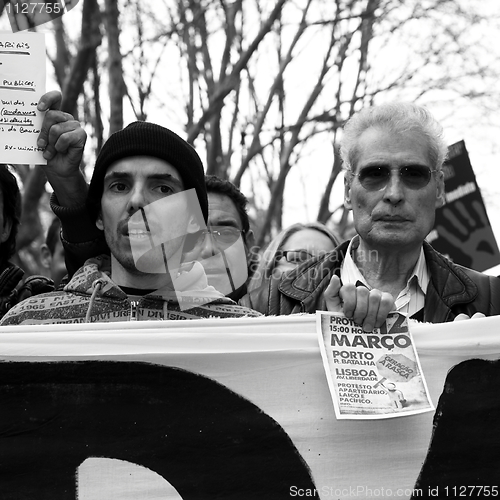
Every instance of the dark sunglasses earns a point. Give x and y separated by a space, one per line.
376 178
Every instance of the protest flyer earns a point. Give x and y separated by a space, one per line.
22 83
372 375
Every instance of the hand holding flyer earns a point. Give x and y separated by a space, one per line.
371 375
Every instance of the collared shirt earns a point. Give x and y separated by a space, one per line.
410 300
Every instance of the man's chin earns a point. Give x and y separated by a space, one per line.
396 241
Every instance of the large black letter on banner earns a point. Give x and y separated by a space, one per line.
205 440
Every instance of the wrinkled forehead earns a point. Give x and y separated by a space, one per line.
385 146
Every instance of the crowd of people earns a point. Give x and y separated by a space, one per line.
152 238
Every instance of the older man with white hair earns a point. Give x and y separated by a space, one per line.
393 156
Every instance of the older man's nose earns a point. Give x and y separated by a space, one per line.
394 191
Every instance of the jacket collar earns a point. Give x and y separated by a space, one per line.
452 284
448 281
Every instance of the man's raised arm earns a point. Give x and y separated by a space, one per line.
64 140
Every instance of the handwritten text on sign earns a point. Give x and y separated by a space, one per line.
22 83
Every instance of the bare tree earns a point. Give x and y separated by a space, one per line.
260 86
115 70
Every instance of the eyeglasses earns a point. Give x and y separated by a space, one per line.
224 236
376 178
294 256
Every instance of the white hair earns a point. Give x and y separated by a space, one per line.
396 117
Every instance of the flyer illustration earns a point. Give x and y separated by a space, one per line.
372 375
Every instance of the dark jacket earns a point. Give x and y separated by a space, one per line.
11 289
452 289
80 237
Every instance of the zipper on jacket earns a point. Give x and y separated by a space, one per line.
134 306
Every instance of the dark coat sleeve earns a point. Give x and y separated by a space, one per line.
80 237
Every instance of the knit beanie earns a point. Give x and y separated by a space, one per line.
148 139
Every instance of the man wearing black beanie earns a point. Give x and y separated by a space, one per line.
147 194
144 138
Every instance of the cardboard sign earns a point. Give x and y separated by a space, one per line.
22 83
462 230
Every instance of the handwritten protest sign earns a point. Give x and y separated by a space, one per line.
22 83
371 375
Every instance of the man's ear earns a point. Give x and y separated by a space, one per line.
7 227
347 190
440 193
193 225
45 256
252 253
249 240
249 243
99 222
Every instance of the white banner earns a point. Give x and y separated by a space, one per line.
77 413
